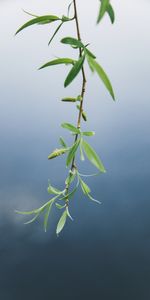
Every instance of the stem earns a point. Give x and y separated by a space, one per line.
83 75
82 90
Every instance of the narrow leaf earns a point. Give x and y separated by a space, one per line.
111 13
72 41
71 177
88 133
101 73
35 211
60 206
95 200
70 127
93 157
88 52
62 142
53 190
72 152
47 19
85 188
58 61
103 8
74 71
32 220
47 215
68 214
61 222
81 151
30 14
57 29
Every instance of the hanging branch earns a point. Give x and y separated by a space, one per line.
61 198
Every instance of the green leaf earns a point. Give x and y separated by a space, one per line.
85 188
47 214
89 60
46 19
111 13
60 206
103 9
52 190
32 220
91 198
61 222
72 152
68 214
72 41
58 152
74 71
70 127
101 73
88 52
31 212
71 177
71 194
93 157
30 14
69 7
69 99
58 61
88 133
57 29
65 19
62 142
81 151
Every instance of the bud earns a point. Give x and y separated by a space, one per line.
57 152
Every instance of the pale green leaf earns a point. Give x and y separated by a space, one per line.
72 152
101 73
53 190
85 188
71 177
60 206
88 52
47 214
88 133
93 157
31 212
68 214
62 142
74 71
70 127
81 152
61 222
32 220
58 61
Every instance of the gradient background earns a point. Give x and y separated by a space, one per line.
105 253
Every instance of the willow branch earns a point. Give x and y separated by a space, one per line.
82 90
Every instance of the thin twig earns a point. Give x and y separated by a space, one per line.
82 90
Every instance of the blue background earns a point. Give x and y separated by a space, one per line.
104 253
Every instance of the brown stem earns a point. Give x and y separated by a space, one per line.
82 89
83 75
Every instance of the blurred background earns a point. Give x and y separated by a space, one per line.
104 253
